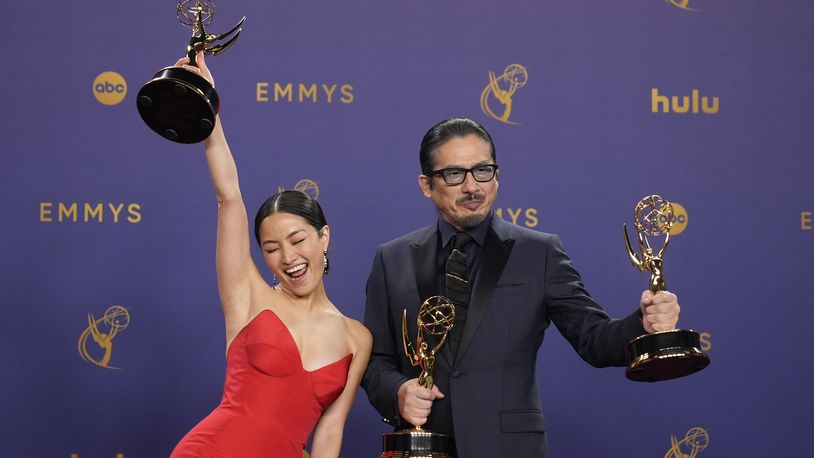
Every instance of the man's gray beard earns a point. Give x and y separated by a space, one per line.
470 221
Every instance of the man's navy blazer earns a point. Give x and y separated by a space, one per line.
524 282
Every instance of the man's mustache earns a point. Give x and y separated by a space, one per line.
480 197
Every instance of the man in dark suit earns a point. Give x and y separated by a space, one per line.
508 284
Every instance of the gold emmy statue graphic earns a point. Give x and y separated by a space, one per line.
435 317
502 89
681 4
305 185
115 320
695 441
668 354
178 104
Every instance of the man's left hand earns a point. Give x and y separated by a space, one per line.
659 312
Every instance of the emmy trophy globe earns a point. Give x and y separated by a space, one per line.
178 104
668 354
436 316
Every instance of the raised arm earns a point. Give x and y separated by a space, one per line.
237 274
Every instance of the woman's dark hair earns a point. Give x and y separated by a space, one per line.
445 131
294 202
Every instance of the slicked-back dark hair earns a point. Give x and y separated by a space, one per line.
293 202
445 131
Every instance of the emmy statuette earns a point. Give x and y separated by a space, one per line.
435 317
178 104
668 354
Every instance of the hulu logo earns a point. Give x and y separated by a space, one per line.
695 103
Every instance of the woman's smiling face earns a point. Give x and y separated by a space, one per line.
293 250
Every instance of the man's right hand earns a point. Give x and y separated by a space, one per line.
415 401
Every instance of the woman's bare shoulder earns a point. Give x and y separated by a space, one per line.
359 334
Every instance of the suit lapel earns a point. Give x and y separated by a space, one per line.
496 249
425 251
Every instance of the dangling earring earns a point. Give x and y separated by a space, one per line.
274 281
326 264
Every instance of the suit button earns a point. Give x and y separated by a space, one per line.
456 373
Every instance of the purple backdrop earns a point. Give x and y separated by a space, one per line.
99 211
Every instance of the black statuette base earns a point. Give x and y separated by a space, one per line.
179 105
418 443
665 356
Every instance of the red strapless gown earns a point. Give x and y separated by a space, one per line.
270 402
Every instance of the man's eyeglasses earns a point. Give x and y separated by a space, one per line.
457 175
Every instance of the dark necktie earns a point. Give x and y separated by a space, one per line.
457 287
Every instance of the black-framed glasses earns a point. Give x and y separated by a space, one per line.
457 175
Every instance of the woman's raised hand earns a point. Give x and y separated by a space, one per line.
201 69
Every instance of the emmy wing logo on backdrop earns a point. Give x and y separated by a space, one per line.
681 4
109 88
102 331
305 185
497 95
696 440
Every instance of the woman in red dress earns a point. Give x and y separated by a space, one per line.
294 362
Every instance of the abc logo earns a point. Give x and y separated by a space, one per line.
109 88
680 219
